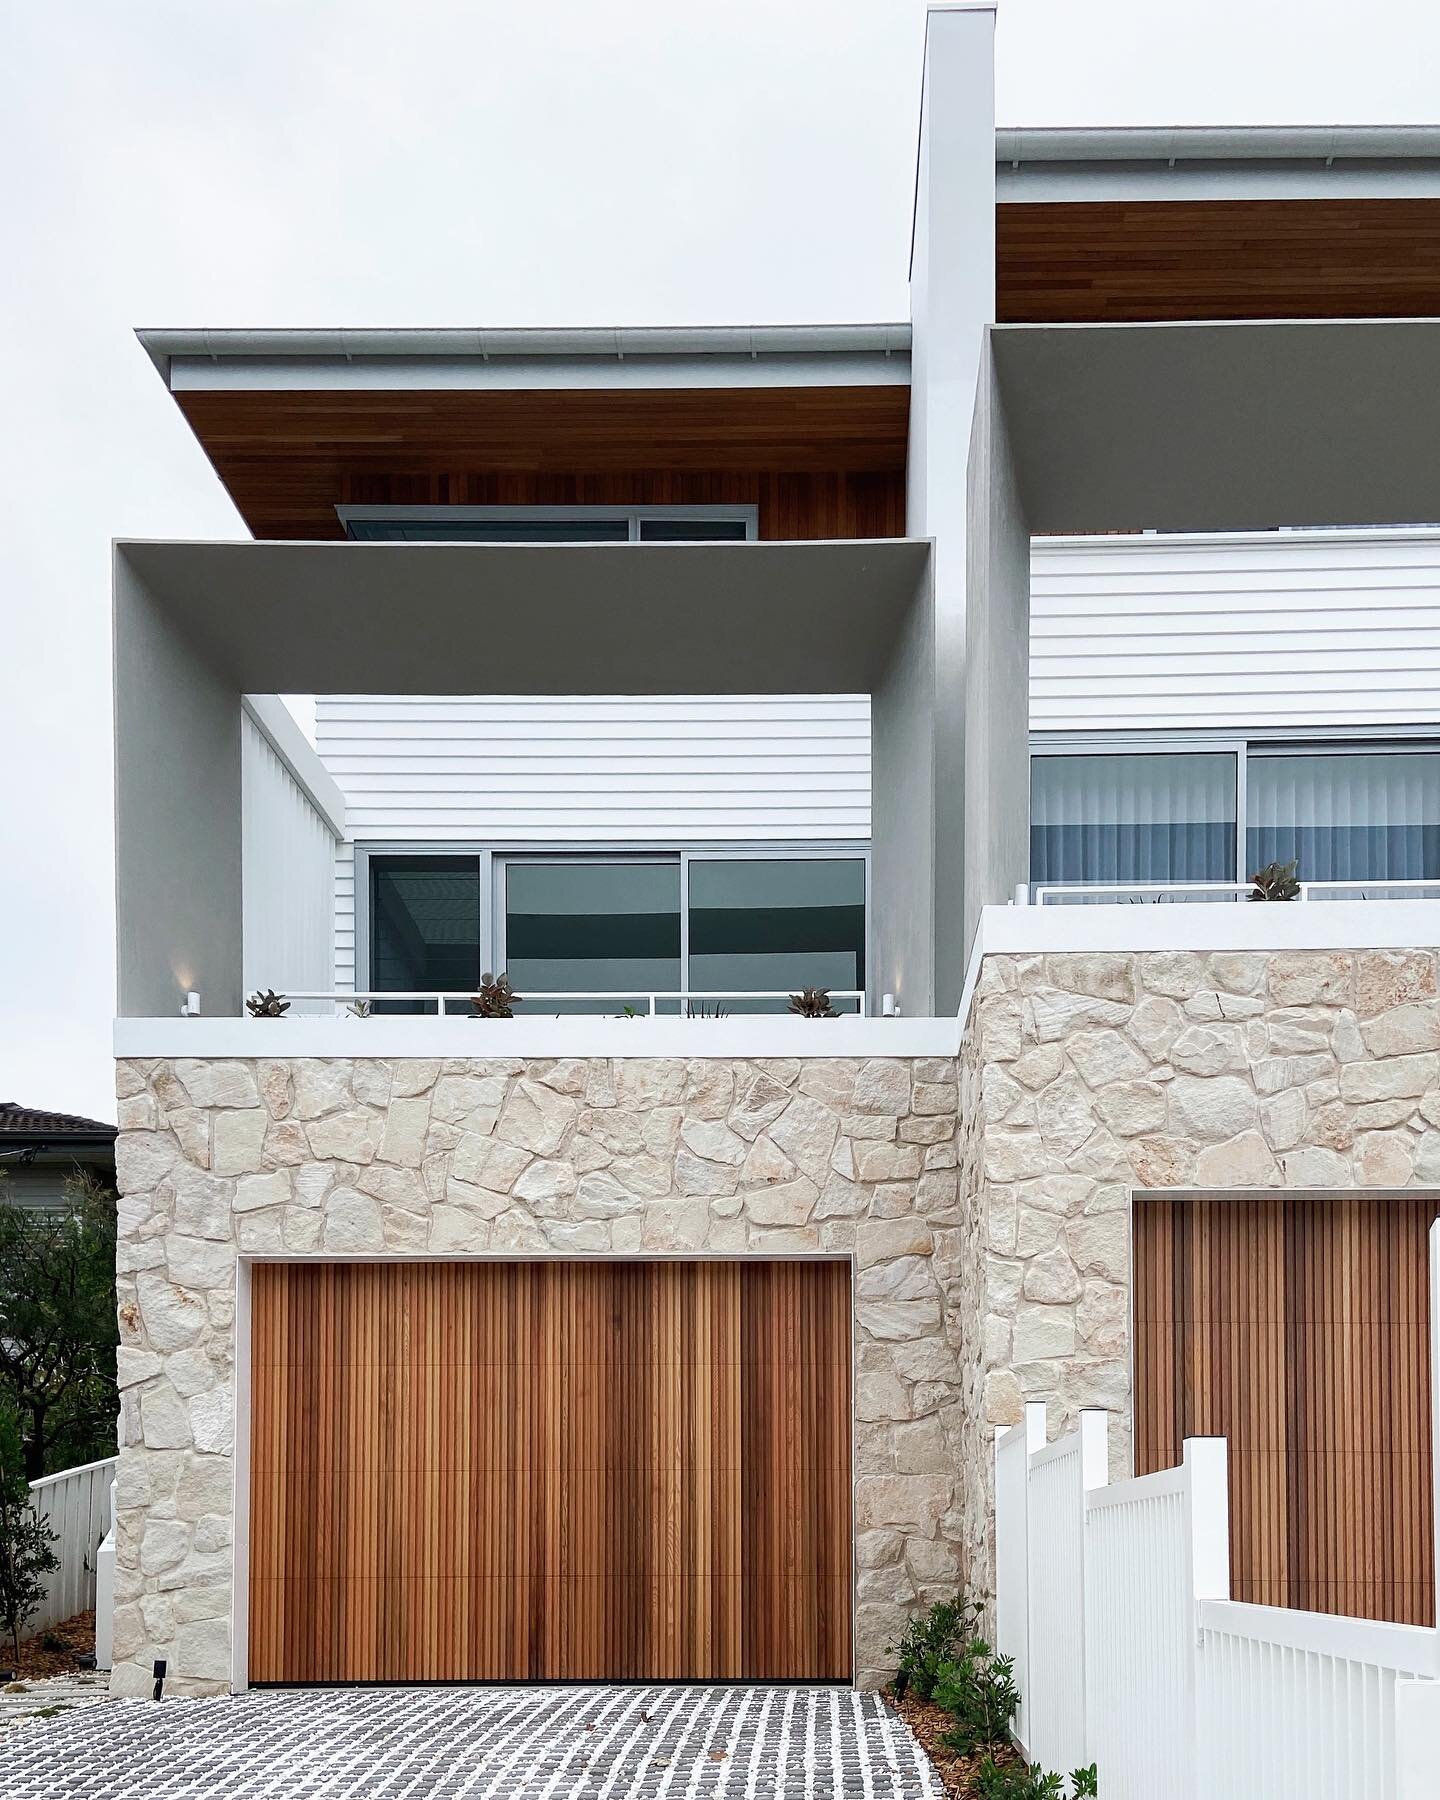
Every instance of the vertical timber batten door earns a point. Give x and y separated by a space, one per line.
550 1471
1299 1330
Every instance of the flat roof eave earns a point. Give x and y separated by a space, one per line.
481 357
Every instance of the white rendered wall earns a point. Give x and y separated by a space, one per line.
288 849
1310 629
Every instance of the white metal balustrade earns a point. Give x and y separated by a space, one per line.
456 1003
1158 892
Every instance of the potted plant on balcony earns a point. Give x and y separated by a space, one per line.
813 1003
496 998
1276 881
268 1005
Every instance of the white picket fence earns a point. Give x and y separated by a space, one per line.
1114 1601
75 1504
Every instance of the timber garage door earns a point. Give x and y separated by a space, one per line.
1299 1329
550 1471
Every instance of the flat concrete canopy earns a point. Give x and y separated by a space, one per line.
327 618
1223 426
199 625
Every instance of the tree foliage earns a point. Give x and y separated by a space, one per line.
26 1541
57 1329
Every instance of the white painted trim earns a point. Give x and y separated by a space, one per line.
738 1038
515 374
1315 925
275 722
1216 143
240 1488
240 1456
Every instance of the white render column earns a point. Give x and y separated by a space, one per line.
952 301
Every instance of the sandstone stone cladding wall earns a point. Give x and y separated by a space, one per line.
1100 1075
630 1157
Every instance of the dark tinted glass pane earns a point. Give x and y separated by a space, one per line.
491 531
592 927
680 531
772 923
424 926
1362 816
1143 818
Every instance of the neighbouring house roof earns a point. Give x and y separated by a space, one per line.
23 1126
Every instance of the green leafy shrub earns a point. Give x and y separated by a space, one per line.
27 1555
935 1638
978 1690
1014 1781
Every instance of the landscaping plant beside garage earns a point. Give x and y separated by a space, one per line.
959 1699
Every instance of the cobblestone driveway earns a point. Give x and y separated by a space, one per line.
482 1743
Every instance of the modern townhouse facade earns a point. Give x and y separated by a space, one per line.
656 1332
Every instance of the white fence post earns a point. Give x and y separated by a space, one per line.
1013 1448
105 1592
1417 1739
1060 1474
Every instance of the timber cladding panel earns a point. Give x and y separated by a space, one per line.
1298 1329
818 462
1093 262
598 1470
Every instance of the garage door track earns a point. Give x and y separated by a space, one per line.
479 1743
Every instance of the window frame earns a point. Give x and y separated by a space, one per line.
632 516
1264 741
494 858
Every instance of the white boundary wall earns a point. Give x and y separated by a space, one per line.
75 1504
1115 1603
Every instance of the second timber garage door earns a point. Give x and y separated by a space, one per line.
550 1471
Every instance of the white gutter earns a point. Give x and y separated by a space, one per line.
1220 143
471 343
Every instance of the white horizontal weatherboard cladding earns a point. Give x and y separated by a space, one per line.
678 769
1251 632
288 873
674 770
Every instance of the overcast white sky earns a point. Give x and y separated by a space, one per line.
449 162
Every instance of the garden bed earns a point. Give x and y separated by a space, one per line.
930 1723
55 1651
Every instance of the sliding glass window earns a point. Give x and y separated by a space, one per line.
592 926
769 923
1371 815
1133 817
625 926
424 927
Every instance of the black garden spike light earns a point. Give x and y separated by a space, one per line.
158 1671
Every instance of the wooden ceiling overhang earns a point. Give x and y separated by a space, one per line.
288 454
287 457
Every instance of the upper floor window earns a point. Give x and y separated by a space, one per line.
1361 813
550 524
1345 815
587 933
1122 817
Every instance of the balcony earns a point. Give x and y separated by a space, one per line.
227 825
